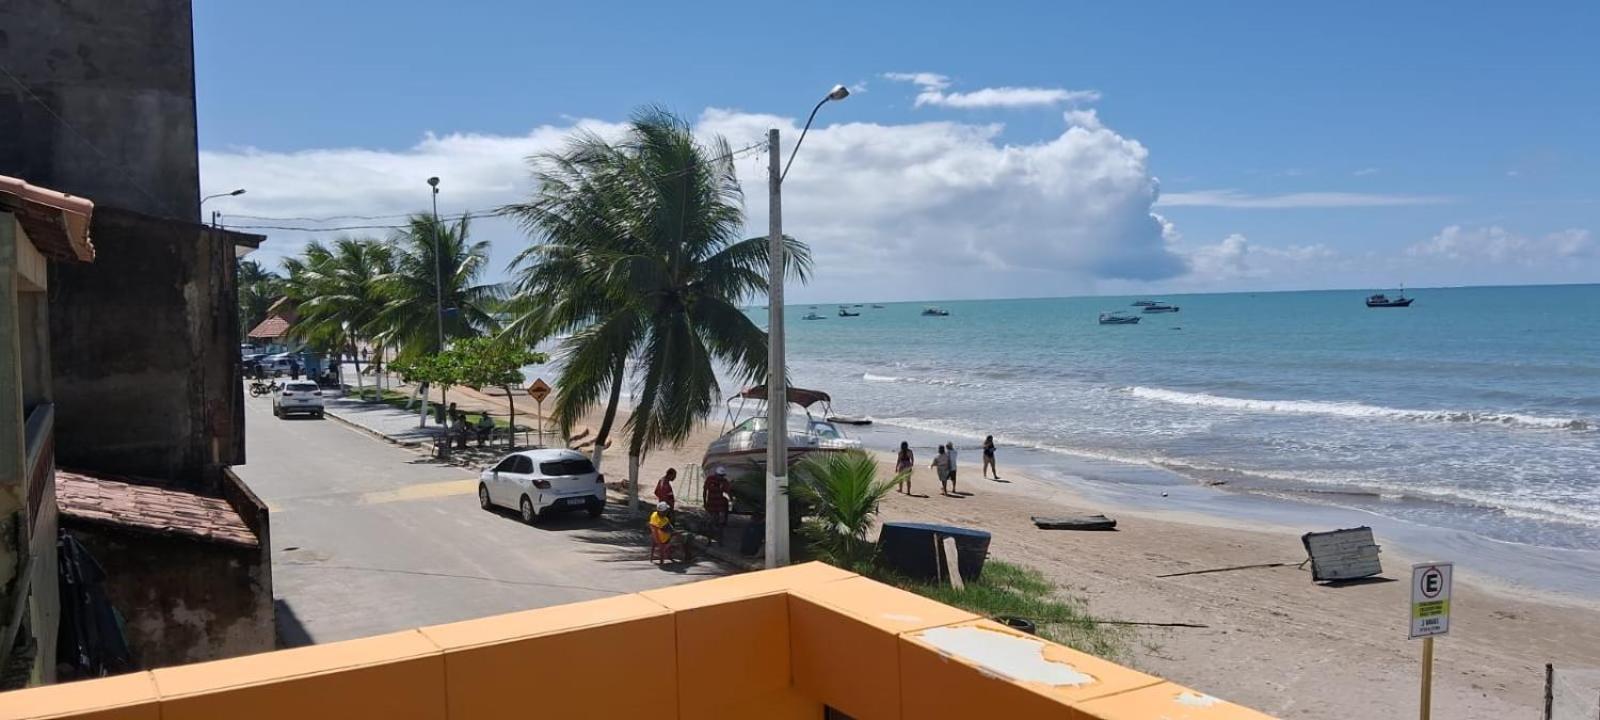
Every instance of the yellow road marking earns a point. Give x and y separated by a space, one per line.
422 492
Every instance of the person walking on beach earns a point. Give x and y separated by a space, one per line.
941 467
902 467
988 458
952 463
664 491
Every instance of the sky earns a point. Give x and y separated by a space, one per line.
986 150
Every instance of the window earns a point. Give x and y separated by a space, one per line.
507 465
755 424
524 465
572 466
826 431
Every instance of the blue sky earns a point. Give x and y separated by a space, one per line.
1358 145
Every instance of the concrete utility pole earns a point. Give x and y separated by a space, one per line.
777 538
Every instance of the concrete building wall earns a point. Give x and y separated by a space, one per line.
144 351
183 600
120 74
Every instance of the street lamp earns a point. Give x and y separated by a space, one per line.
777 540
215 214
438 262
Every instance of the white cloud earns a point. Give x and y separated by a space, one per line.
910 211
1495 245
1237 199
1236 258
1363 172
934 85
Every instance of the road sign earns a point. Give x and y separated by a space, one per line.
1430 599
539 390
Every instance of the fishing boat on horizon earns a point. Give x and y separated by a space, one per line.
1383 301
814 316
1160 308
1145 303
1119 318
877 307
933 311
845 312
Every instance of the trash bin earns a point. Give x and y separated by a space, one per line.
916 550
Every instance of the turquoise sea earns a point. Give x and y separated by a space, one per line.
1475 410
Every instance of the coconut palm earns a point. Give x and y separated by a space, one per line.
429 256
842 492
641 261
258 288
341 294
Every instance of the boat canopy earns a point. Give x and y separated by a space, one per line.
799 396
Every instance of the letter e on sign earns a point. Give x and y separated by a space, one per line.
1430 599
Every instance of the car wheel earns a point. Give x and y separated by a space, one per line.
529 515
319 414
596 507
277 413
483 496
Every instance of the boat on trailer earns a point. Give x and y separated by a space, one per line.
742 447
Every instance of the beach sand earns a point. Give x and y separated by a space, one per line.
1274 640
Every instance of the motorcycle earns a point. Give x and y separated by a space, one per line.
260 387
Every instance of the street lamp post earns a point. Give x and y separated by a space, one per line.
438 262
215 214
777 530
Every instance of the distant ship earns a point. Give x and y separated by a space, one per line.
1145 303
1118 318
932 311
1380 300
845 312
813 316
874 307
1160 308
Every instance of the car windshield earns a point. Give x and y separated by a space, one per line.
825 431
301 386
570 466
755 424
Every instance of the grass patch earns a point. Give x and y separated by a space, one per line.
1018 591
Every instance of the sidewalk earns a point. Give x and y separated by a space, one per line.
390 423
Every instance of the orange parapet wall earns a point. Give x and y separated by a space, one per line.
780 644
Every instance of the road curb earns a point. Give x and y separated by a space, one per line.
379 435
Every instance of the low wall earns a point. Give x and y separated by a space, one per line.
781 644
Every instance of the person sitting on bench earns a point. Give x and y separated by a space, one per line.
485 428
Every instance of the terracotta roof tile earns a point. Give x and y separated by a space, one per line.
119 501
272 327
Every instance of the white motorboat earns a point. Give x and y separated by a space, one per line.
1118 318
932 311
742 448
1160 308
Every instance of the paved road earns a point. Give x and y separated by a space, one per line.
370 538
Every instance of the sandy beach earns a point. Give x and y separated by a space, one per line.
1273 640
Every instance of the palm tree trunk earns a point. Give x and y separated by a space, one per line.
355 355
511 427
611 412
633 483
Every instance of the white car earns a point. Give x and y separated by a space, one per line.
539 482
297 396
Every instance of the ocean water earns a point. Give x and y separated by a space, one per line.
1476 409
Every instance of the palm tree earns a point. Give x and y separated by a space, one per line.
341 294
431 256
843 493
641 260
258 288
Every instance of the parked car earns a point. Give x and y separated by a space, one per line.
539 482
297 396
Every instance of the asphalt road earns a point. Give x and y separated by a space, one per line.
370 538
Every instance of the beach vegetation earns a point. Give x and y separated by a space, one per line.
258 289
339 294
841 493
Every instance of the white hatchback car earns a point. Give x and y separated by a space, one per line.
297 396
539 482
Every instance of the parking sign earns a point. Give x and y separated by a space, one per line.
1430 599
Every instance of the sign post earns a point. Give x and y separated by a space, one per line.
539 390
1430 616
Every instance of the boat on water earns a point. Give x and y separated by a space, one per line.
1119 318
845 312
932 311
1145 303
1160 308
877 307
742 447
814 316
858 304
1383 301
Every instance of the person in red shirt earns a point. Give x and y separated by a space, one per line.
718 493
664 489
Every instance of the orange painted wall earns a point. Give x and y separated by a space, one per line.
777 644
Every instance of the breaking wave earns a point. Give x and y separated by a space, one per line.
1358 410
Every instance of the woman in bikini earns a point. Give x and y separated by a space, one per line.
902 468
988 458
